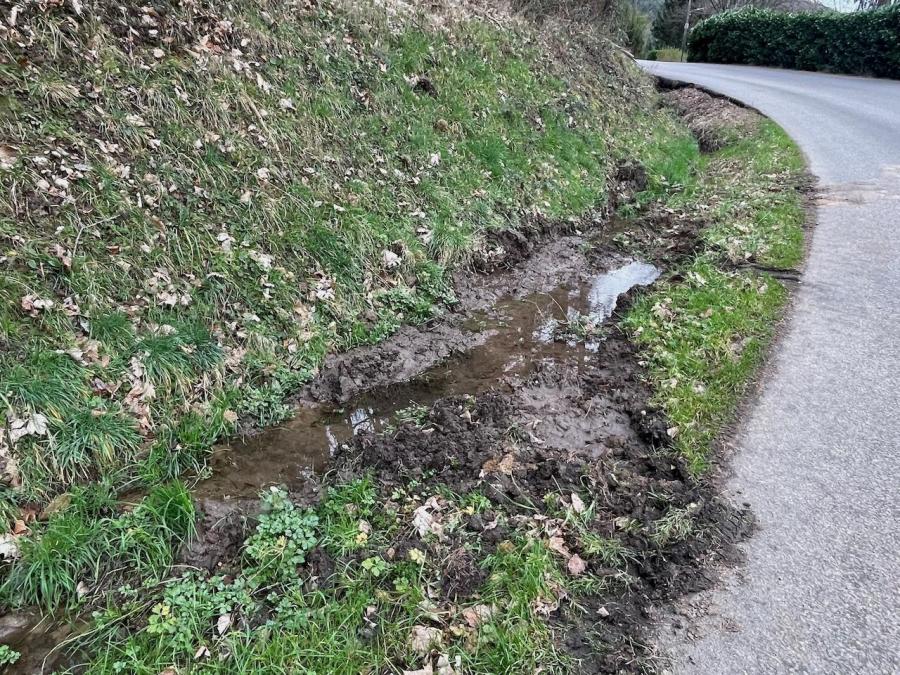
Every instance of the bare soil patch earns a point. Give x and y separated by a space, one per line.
712 119
525 400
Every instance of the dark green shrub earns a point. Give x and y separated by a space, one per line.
864 43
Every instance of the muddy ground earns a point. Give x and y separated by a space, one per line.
713 120
525 391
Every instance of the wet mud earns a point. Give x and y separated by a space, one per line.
528 388
492 349
38 640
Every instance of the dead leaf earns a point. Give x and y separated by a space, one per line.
8 156
477 615
34 305
506 465
389 259
423 638
444 667
426 518
546 606
36 425
9 547
57 504
576 565
577 504
558 545
223 623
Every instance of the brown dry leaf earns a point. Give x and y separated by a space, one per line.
102 388
423 638
19 527
62 255
8 156
577 503
506 546
444 667
70 307
223 623
506 465
477 615
34 305
558 545
57 504
426 518
576 565
546 606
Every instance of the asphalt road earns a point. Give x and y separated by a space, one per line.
818 456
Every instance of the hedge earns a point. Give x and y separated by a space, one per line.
864 43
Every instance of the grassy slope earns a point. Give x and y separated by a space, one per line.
196 207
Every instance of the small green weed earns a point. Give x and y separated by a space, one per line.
282 538
8 655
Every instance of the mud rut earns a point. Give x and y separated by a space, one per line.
530 389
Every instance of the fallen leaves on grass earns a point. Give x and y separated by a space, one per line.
423 638
34 305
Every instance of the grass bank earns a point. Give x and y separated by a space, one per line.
197 206
705 333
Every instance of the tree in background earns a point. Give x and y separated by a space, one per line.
636 28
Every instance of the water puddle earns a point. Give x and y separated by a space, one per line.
36 640
562 325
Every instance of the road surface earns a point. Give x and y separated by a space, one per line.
818 457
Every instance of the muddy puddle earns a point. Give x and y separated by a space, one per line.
37 641
516 336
